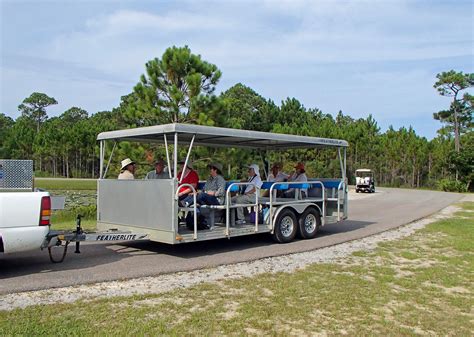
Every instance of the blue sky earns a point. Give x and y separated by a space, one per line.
361 57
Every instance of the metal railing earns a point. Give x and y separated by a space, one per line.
340 187
194 206
228 205
272 203
293 201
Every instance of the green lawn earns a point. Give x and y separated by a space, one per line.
69 223
421 284
80 199
65 184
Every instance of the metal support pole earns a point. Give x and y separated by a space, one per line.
101 159
187 158
345 165
341 163
110 159
346 187
175 155
263 162
168 156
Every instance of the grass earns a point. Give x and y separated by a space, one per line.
77 202
80 199
419 285
66 220
65 184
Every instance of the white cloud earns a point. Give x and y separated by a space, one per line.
313 50
302 33
124 21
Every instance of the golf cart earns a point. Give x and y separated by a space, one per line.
365 181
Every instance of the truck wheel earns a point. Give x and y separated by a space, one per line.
285 226
357 191
309 222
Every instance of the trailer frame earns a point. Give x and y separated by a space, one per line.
152 206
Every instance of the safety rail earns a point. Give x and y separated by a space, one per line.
272 186
335 186
194 205
343 185
299 185
228 205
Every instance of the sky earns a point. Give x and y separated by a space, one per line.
361 57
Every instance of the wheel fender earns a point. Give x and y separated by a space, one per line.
277 212
297 209
317 207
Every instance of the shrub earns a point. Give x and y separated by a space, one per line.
88 213
449 185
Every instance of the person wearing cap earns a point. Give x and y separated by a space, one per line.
249 193
213 192
189 177
158 172
298 176
127 169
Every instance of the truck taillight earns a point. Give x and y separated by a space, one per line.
45 214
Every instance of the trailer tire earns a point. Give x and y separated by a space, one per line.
286 226
308 223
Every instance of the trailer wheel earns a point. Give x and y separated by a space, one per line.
309 222
286 226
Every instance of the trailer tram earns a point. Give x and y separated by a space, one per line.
151 206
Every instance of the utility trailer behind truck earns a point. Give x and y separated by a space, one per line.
151 206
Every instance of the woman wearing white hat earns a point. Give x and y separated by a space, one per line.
249 193
127 170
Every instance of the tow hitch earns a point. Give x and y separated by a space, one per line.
61 239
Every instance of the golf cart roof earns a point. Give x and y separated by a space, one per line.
364 170
220 137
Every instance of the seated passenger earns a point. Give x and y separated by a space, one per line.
298 176
159 171
249 192
189 177
276 176
127 170
213 192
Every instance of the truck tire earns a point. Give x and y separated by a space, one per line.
286 226
308 223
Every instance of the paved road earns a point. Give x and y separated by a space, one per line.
369 214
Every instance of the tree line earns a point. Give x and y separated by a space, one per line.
180 87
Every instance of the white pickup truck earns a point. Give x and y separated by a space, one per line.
24 214
24 220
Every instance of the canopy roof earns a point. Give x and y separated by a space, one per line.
364 170
219 137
